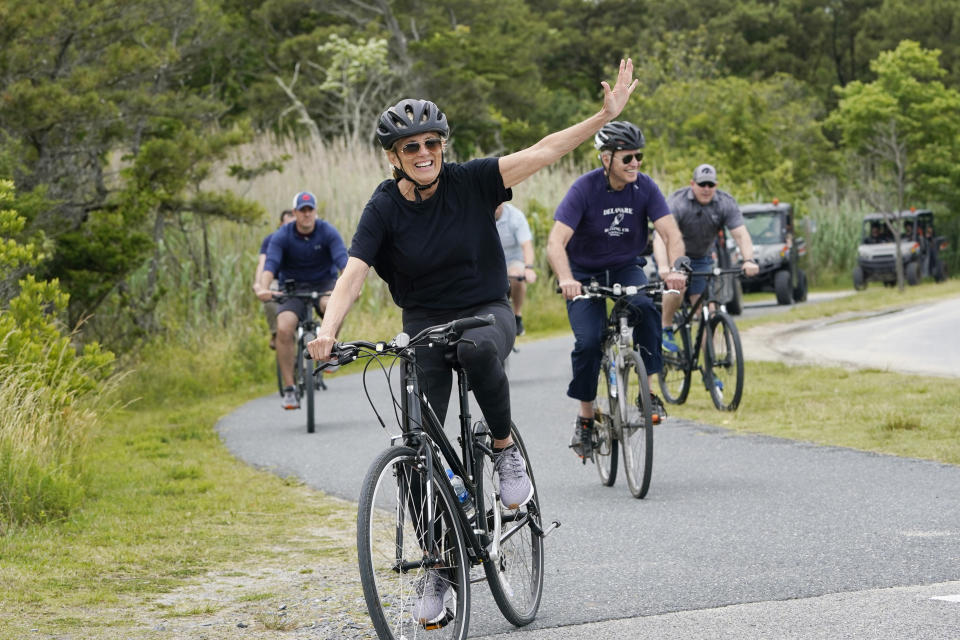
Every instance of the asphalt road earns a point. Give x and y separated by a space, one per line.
739 537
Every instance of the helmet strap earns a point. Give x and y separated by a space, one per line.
417 187
606 169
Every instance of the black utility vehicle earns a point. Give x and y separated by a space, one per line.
777 251
920 249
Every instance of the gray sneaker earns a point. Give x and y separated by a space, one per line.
515 486
431 591
290 399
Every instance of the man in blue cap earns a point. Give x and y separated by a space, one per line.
311 253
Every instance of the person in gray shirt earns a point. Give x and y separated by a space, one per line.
517 244
700 210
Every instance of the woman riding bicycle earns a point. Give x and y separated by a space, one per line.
431 235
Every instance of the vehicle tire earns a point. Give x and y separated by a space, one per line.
735 306
637 433
723 363
939 272
515 578
912 274
390 535
309 388
782 287
859 282
674 378
606 422
800 291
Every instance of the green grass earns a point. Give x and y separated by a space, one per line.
169 507
836 406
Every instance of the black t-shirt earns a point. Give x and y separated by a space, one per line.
444 252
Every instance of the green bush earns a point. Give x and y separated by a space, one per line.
49 391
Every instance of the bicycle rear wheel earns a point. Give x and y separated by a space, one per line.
515 574
724 362
392 528
606 423
637 432
674 378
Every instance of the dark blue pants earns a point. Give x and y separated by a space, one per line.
588 319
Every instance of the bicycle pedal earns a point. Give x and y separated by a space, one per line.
439 624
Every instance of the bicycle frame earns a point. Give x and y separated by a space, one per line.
423 432
701 310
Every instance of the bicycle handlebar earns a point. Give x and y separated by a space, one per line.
440 335
302 295
716 271
595 290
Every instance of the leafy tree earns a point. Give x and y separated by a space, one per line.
763 137
81 82
904 131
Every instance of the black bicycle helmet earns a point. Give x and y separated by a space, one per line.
410 117
617 135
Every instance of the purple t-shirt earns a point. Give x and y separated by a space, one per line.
609 227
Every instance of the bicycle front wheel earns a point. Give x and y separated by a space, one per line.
724 362
637 431
606 423
515 567
407 534
309 389
674 378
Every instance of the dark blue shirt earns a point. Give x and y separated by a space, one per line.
316 257
609 227
263 251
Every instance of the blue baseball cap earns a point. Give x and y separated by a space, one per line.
304 199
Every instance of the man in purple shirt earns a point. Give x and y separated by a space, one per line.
600 229
311 253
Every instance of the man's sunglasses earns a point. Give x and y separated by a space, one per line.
413 148
627 159
707 185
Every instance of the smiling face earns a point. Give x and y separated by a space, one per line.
419 156
623 167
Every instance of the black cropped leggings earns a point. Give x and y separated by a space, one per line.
483 361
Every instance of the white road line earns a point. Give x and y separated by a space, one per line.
955 598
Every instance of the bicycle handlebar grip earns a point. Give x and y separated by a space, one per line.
461 325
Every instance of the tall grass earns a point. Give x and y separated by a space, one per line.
44 435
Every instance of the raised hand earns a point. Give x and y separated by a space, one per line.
614 100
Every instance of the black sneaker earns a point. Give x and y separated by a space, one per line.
658 412
520 329
582 441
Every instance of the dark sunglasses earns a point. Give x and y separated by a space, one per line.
708 185
413 148
627 159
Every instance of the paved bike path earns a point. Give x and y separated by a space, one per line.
731 521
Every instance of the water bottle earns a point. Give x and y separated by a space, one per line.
613 380
460 490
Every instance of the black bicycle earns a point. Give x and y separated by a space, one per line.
411 520
623 412
306 381
722 368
